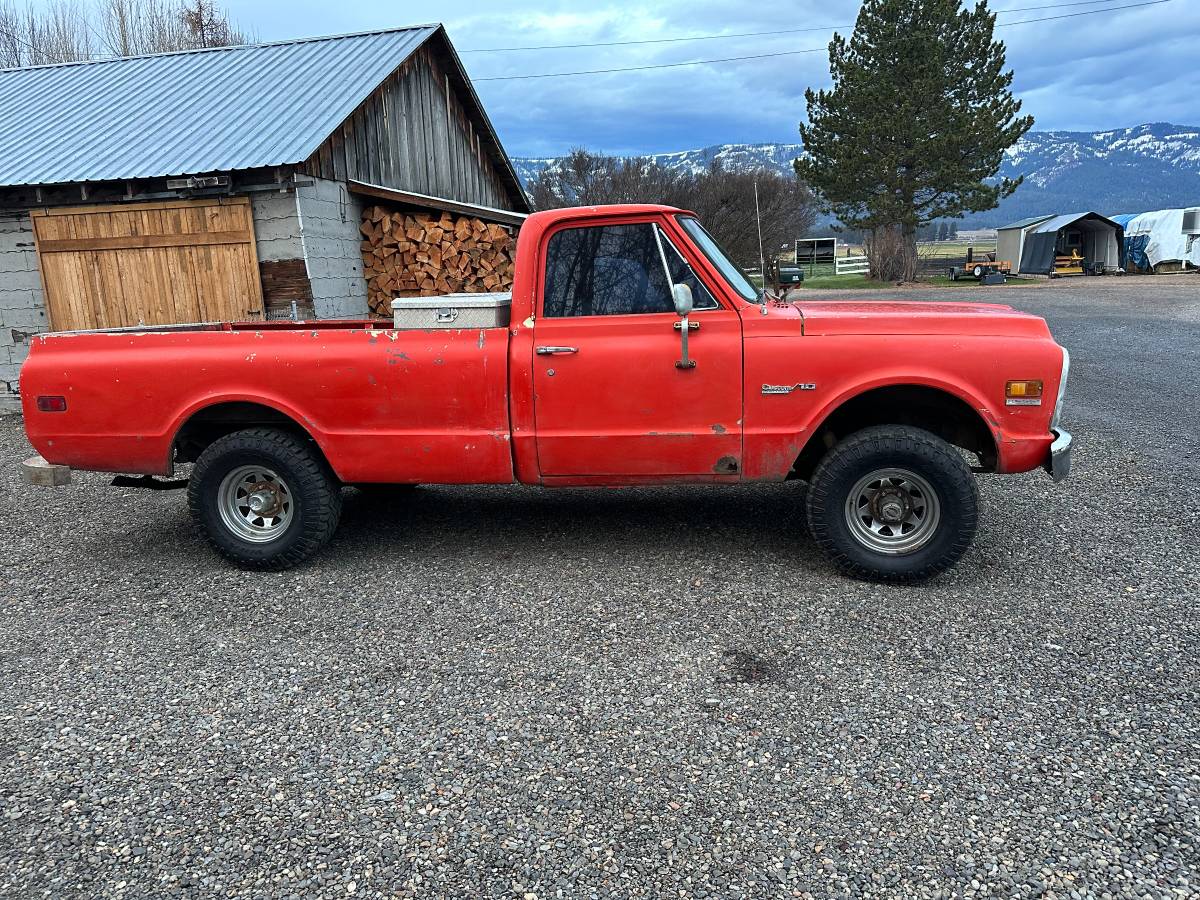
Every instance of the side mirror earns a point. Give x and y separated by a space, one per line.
682 295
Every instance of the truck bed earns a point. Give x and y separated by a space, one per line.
384 405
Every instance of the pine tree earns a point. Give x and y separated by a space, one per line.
915 125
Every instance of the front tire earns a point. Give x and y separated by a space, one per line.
264 498
893 504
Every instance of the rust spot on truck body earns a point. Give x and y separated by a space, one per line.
726 465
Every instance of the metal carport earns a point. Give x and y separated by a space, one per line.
1097 238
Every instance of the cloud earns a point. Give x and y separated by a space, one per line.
1082 73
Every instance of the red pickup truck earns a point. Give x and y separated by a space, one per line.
633 352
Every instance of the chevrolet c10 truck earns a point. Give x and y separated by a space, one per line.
632 351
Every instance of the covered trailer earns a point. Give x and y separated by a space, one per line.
1096 240
1166 240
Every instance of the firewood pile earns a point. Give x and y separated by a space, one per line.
409 254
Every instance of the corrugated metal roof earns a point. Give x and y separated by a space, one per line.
195 111
1024 223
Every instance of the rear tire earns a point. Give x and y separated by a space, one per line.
893 504
264 498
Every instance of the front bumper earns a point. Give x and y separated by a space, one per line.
1058 460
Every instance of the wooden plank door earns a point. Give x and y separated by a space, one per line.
161 263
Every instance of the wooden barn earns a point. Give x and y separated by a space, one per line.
315 177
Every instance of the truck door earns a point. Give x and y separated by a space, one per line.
609 398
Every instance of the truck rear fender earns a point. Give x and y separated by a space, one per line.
200 426
949 416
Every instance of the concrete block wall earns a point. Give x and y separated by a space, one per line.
329 219
22 302
276 226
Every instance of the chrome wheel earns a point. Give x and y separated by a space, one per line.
255 504
893 511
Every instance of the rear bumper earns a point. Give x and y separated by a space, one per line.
1058 460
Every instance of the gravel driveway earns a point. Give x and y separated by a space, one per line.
645 693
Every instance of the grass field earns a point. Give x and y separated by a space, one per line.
817 282
934 249
954 249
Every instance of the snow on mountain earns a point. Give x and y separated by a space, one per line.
735 157
1126 170
1051 154
1153 166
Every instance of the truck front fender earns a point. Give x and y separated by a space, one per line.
943 407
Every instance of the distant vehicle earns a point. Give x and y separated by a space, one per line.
784 273
631 351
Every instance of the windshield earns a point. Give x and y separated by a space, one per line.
736 277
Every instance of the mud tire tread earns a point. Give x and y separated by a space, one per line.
318 494
878 447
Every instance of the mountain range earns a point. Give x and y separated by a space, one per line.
1126 170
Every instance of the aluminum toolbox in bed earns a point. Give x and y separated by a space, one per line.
452 311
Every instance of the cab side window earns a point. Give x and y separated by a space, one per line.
613 270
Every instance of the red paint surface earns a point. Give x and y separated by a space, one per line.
481 407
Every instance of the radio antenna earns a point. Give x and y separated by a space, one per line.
762 260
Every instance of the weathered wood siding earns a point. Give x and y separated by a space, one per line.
414 134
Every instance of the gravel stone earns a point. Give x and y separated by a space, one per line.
510 692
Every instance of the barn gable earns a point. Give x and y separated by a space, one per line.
423 130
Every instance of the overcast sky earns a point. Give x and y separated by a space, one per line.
1089 72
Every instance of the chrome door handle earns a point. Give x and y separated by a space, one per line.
550 351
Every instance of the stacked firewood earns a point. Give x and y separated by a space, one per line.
409 254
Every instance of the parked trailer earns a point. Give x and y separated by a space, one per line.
981 269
